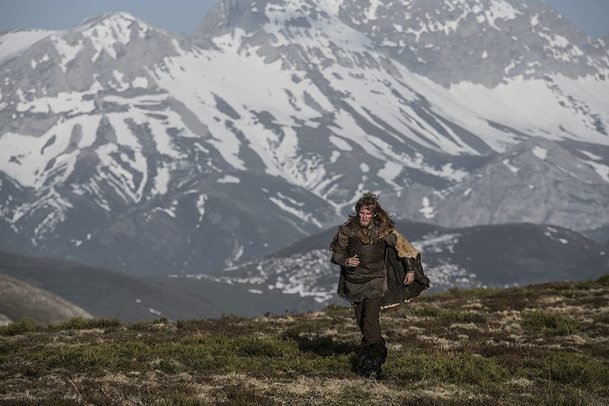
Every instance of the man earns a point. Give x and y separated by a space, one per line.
379 269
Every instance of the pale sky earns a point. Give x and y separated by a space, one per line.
184 16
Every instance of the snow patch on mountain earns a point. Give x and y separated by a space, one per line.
229 179
499 10
161 181
511 167
30 156
447 276
64 102
340 143
389 172
437 243
536 111
66 51
426 209
307 275
591 155
601 169
540 153
14 42
554 234
294 208
140 82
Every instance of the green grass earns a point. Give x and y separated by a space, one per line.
568 368
26 325
550 323
445 367
473 347
21 326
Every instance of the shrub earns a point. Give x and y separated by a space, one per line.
568 368
80 358
603 280
550 323
20 326
445 366
85 324
168 366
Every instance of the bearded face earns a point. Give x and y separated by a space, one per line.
364 216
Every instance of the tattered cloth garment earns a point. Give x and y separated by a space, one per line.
399 257
397 292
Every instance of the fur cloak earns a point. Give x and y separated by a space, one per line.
398 260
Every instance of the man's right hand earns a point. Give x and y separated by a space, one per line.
352 261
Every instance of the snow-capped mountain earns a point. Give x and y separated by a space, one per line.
480 41
126 167
536 181
187 154
482 256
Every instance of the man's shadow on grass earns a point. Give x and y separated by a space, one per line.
326 346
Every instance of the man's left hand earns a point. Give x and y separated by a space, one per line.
409 278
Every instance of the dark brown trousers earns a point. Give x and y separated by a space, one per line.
367 313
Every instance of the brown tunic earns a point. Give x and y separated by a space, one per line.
368 280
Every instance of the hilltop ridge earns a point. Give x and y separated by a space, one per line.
544 343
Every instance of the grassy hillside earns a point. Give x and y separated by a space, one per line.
19 299
542 344
104 293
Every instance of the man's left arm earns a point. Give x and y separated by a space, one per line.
405 252
409 271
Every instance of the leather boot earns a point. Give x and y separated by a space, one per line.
370 360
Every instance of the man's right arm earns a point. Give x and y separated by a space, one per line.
339 248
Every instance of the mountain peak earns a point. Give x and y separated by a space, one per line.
227 14
106 33
116 17
113 27
605 41
510 37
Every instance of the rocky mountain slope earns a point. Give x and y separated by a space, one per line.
15 41
479 256
480 41
542 344
189 154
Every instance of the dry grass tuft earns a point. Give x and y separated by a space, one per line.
544 344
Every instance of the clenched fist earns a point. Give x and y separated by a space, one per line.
352 261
